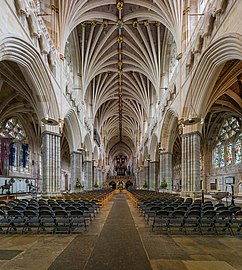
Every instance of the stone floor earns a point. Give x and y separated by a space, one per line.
120 239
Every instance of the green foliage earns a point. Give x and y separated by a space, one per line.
78 183
145 185
96 185
163 184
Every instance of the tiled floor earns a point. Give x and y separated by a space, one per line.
164 252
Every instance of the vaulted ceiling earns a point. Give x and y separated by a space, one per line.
121 62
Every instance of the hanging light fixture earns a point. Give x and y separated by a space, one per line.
48 120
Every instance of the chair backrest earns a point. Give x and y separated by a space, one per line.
30 213
194 214
218 205
169 208
182 207
207 207
61 213
238 214
2 213
42 208
76 213
19 208
162 213
209 214
178 213
235 209
45 213
14 213
2 202
70 208
221 208
224 214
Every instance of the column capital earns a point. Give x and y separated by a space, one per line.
154 161
46 132
165 153
191 134
76 152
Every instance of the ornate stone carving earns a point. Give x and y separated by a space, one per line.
44 46
208 22
21 7
197 46
220 6
33 25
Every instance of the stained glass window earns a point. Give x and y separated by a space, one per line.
238 151
18 151
221 156
216 156
229 154
226 142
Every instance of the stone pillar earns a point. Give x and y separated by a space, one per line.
190 163
103 176
99 181
88 175
76 170
166 169
137 174
145 175
51 163
141 177
134 166
95 175
153 176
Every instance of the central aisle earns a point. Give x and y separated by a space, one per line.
119 245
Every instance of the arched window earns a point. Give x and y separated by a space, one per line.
17 149
228 147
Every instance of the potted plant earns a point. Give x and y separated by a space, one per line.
78 183
145 185
96 184
163 184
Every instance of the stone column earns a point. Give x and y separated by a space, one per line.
145 175
141 177
76 170
99 181
137 179
103 176
51 163
88 175
134 165
166 169
190 163
153 176
95 175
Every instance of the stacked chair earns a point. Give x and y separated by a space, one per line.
71 215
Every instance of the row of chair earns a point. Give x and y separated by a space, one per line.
208 221
44 221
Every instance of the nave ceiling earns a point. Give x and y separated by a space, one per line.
119 49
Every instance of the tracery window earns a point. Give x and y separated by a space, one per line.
228 147
13 141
